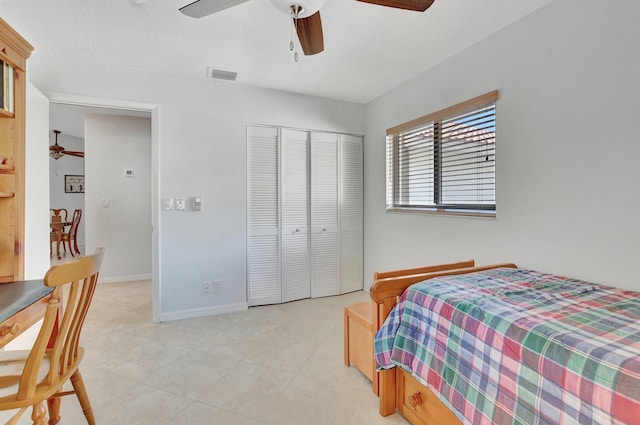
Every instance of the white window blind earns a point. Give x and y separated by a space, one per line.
445 161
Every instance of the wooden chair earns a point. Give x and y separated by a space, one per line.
31 377
58 215
72 236
69 239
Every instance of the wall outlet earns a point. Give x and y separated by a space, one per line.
206 288
215 288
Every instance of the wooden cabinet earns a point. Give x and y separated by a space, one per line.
419 404
358 339
14 51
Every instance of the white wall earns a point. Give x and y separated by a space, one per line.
567 149
58 168
113 144
201 151
36 245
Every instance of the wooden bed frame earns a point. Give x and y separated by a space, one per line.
397 388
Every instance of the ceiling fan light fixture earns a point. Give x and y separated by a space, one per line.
305 8
56 151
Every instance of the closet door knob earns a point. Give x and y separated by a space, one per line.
324 229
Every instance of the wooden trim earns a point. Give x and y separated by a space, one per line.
391 288
14 50
20 96
419 270
14 41
23 320
443 113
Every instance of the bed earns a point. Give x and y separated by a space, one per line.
460 344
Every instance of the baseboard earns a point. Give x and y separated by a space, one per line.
202 312
130 278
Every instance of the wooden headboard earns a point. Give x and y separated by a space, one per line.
385 291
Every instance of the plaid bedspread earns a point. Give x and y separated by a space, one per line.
510 346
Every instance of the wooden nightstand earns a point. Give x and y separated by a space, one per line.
358 339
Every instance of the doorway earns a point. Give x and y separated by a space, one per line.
105 197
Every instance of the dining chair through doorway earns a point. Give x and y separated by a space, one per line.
59 218
59 215
31 377
69 239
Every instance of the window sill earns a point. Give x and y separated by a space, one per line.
443 211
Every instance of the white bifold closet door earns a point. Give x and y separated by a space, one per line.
351 216
294 180
304 214
325 210
263 245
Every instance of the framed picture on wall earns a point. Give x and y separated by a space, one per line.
73 184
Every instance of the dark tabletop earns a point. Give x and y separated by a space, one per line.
14 296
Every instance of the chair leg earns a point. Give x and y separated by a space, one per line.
68 245
54 410
39 415
81 392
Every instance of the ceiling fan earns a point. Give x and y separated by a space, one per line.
305 15
57 151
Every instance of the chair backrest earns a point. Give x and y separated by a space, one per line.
77 215
82 275
59 214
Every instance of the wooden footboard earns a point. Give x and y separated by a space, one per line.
386 289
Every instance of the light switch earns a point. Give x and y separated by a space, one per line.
105 203
180 204
196 203
167 204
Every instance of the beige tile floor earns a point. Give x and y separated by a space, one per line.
271 365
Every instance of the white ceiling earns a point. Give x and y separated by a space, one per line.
369 49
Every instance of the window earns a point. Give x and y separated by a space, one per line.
445 161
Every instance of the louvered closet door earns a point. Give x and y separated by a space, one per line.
294 157
351 217
263 250
325 244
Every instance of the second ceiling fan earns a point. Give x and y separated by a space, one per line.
305 15
56 151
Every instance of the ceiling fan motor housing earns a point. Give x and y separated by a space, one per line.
305 8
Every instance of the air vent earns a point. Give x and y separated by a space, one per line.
221 75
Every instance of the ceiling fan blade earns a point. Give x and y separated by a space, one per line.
310 34
74 153
201 8
417 5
